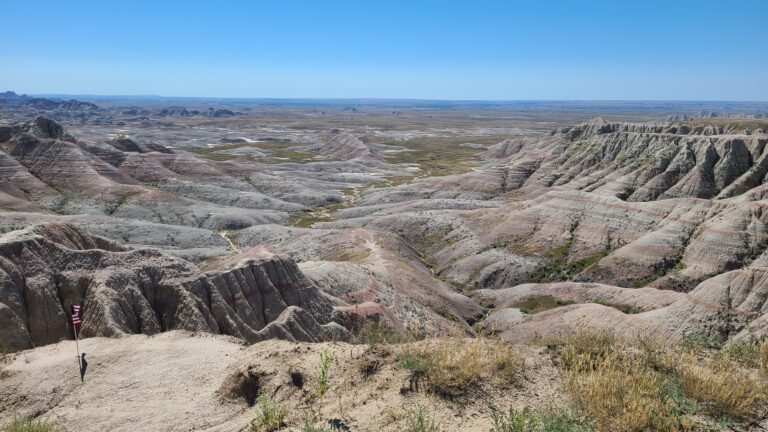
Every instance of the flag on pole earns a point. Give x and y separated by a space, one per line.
76 320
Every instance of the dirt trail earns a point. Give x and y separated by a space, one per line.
232 246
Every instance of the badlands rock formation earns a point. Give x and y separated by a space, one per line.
662 224
145 194
344 146
672 206
48 170
49 267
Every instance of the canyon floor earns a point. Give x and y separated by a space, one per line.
384 265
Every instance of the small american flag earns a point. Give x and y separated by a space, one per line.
76 321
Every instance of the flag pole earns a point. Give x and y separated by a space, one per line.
77 345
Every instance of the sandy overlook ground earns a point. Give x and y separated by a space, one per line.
263 237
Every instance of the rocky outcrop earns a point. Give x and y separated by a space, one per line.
46 268
41 127
638 161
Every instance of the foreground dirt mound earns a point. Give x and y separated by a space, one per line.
583 380
47 268
176 381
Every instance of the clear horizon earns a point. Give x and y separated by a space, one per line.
245 98
483 51
363 98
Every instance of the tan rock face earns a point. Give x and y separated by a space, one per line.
47 268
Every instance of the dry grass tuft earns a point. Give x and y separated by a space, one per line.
451 367
645 384
584 346
723 387
617 394
378 332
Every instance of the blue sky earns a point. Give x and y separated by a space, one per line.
631 49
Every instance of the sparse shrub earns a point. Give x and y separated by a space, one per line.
308 425
751 353
652 352
627 309
456 367
419 420
535 304
509 365
414 361
699 341
30 425
547 420
326 358
271 416
562 420
515 421
649 384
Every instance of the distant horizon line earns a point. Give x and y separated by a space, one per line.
407 99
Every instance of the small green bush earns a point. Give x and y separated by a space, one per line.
418 420
326 357
413 362
271 416
30 425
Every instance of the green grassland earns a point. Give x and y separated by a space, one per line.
536 304
279 152
440 156
436 156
